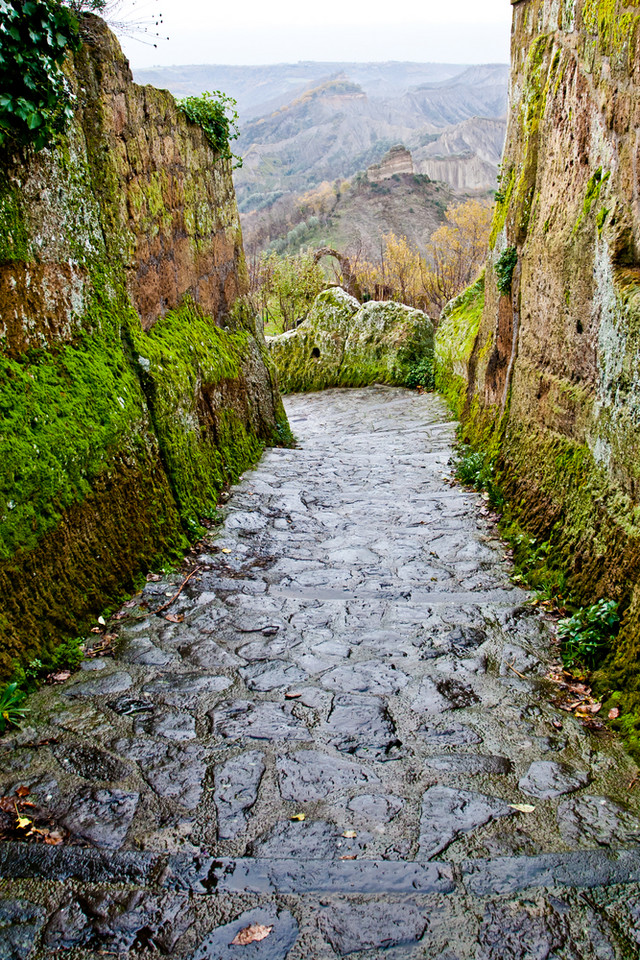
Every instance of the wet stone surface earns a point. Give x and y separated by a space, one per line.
343 744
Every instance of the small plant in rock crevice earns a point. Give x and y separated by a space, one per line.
12 711
475 469
504 267
586 636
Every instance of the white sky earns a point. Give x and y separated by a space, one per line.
277 31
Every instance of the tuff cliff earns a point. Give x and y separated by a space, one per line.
134 384
550 386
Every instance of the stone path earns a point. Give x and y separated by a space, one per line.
332 740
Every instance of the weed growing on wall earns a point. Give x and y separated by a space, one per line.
217 115
505 265
12 712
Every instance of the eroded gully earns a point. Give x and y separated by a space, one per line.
331 740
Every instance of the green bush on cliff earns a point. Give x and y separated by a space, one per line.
217 115
35 100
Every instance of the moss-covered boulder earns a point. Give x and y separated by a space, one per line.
343 344
455 338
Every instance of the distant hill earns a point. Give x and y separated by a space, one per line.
307 127
337 128
261 89
354 217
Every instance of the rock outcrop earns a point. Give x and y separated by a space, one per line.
554 376
397 161
134 383
343 344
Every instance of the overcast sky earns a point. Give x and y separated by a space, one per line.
255 31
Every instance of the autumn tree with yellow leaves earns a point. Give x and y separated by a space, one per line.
454 257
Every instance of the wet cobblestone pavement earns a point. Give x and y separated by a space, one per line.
331 741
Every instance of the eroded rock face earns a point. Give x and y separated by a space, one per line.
558 341
121 262
343 344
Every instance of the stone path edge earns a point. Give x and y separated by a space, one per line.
586 869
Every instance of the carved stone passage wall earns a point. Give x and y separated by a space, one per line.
554 376
133 383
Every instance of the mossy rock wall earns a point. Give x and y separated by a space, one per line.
133 383
554 375
343 344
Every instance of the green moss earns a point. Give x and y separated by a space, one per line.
455 339
14 234
594 185
191 372
615 30
344 345
64 413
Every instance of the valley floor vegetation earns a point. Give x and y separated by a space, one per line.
283 286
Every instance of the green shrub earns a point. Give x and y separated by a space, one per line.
216 114
475 469
11 710
505 265
35 100
420 373
586 635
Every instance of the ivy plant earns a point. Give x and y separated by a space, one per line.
217 115
35 100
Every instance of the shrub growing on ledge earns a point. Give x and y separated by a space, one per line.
216 114
35 101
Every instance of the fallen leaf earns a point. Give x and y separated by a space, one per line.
102 621
557 724
614 713
23 822
226 550
174 618
522 807
298 816
96 630
54 839
153 577
59 677
252 934
22 791
350 834
292 695
349 856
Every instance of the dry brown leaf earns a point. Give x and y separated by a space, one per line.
349 834
292 695
614 713
226 550
54 839
349 856
22 791
298 816
59 677
153 577
251 934
174 618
